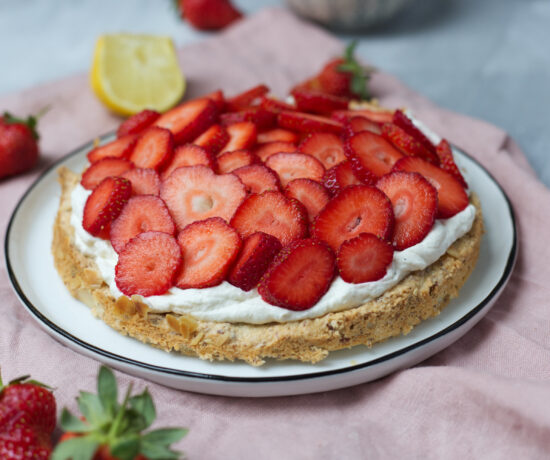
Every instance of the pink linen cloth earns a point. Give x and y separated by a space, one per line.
486 396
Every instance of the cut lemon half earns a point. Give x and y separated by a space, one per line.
131 73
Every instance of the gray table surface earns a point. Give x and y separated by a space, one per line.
489 59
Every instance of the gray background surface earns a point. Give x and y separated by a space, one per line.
489 59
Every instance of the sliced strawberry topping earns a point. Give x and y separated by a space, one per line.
213 139
189 120
138 122
145 181
318 102
145 213
356 209
119 148
154 149
263 152
307 123
311 194
262 118
277 135
407 143
246 98
401 120
451 196
195 193
357 124
241 136
272 213
274 105
364 258
148 264
218 98
370 156
103 168
258 178
105 204
326 147
229 161
378 116
414 203
189 155
209 247
289 166
299 275
445 154
257 252
340 176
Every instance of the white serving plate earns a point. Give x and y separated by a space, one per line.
43 294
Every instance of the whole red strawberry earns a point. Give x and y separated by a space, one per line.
18 144
27 419
209 14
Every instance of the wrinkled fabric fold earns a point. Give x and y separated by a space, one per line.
485 396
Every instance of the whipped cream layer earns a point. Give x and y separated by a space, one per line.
226 302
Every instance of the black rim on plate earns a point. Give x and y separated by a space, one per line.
197 375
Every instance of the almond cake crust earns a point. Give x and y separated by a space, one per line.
419 296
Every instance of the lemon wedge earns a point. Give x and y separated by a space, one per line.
131 73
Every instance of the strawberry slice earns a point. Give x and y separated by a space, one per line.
318 102
209 248
229 161
340 176
406 124
311 194
105 204
258 178
241 136
370 155
445 154
326 147
148 264
308 123
378 116
274 105
213 139
414 202
262 118
357 124
277 135
451 196
144 213
257 252
289 166
356 209
299 275
154 149
263 152
218 98
103 168
195 193
119 148
272 213
246 98
364 258
138 123
189 155
145 181
187 121
407 143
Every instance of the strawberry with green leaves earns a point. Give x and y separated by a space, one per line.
112 430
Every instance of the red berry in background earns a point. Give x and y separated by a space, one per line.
18 144
209 14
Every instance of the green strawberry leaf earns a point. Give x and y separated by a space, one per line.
81 448
164 436
107 389
143 405
71 423
92 409
156 452
126 448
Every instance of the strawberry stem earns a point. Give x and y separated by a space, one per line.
113 431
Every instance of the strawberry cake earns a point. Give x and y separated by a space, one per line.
250 228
